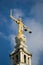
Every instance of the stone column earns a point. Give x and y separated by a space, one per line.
21 56
29 60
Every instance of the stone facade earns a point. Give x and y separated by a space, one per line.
20 56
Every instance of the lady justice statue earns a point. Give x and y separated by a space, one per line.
21 28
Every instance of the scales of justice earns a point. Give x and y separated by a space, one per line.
19 55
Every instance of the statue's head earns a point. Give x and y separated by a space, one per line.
19 19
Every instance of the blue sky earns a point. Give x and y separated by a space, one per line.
31 11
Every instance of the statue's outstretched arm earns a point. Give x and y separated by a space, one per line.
12 16
27 29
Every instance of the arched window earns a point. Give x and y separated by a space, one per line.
17 58
24 58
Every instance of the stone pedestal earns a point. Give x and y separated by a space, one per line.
20 56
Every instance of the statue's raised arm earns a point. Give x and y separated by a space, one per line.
12 17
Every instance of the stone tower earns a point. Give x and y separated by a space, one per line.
20 56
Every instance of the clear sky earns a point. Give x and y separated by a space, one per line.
31 11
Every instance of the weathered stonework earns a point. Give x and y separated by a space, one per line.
20 52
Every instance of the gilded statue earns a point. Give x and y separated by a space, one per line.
21 26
